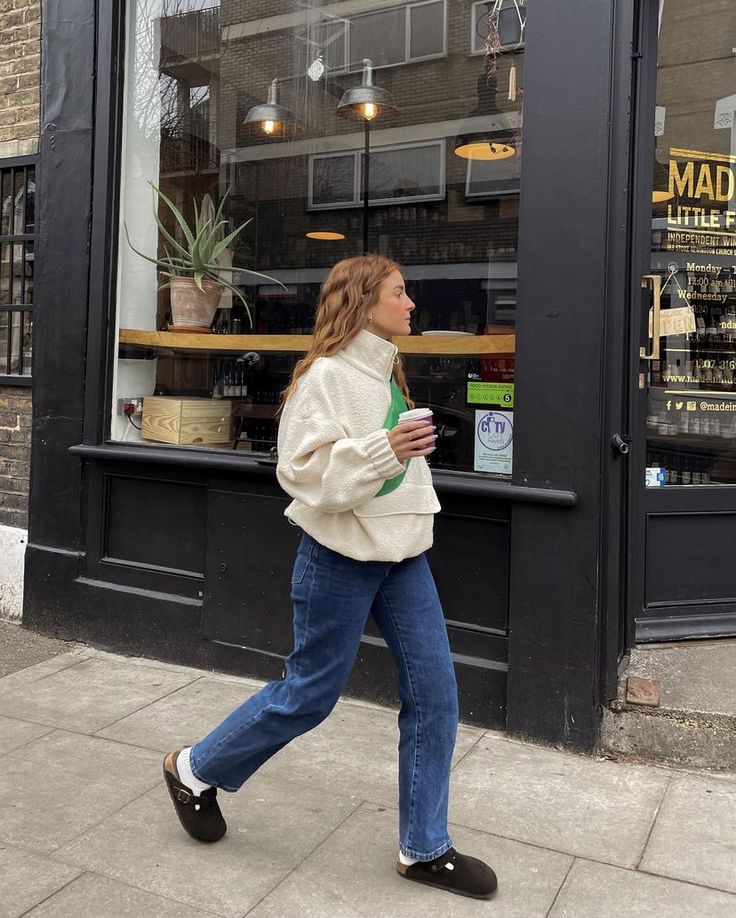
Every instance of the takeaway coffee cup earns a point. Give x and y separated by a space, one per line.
416 414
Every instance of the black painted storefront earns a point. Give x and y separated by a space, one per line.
186 556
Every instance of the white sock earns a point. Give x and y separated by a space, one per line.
187 776
403 859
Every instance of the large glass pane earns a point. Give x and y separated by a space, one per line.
427 29
408 172
333 180
379 36
691 416
236 105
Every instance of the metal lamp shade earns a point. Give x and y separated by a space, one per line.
485 146
354 100
271 112
266 112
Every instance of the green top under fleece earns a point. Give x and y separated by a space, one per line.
397 406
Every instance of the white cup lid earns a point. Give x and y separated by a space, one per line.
415 414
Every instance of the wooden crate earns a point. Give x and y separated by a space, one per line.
167 419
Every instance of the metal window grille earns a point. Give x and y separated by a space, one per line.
17 233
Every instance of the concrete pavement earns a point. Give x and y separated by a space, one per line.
87 827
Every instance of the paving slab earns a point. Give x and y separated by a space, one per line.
27 878
89 695
194 671
100 897
353 752
15 733
600 891
694 837
600 810
182 717
63 783
22 648
353 875
272 827
26 676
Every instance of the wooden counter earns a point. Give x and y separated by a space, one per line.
460 345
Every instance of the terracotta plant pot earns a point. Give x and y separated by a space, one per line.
191 309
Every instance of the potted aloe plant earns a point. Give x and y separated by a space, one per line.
194 272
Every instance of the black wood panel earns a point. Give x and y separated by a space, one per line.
145 529
689 586
554 619
250 554
251 548
677 622
247 609
61 273
470 563
690 557
157 523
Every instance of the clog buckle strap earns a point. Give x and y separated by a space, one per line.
448 858
183 795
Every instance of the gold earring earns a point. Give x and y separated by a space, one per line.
370 319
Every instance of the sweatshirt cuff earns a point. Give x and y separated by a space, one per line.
382 455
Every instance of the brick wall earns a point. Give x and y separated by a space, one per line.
20 70
15 454
20 73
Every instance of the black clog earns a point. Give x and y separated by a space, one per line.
199 815
454 872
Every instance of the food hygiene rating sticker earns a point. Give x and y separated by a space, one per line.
491 393
494 441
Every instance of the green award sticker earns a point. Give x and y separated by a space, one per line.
491 393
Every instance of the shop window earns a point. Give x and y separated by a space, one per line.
241 115
414 172
18 195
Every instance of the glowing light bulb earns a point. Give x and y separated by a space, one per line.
369 110
268 127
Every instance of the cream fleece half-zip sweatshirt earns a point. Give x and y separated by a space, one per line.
334 457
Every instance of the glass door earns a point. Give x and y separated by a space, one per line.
690 358
683 509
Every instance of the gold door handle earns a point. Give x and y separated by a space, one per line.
656 282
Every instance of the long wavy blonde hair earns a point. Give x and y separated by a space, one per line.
348 294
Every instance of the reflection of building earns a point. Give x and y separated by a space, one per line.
421 193
546 576
189 67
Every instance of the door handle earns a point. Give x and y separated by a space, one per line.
656 282
621 445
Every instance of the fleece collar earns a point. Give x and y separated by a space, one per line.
370 354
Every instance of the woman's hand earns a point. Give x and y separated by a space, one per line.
412 439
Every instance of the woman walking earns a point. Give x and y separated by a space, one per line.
363 497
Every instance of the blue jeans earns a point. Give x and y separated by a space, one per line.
333 596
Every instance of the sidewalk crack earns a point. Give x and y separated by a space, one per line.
638 861
559 889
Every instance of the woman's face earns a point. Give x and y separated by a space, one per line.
392 311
